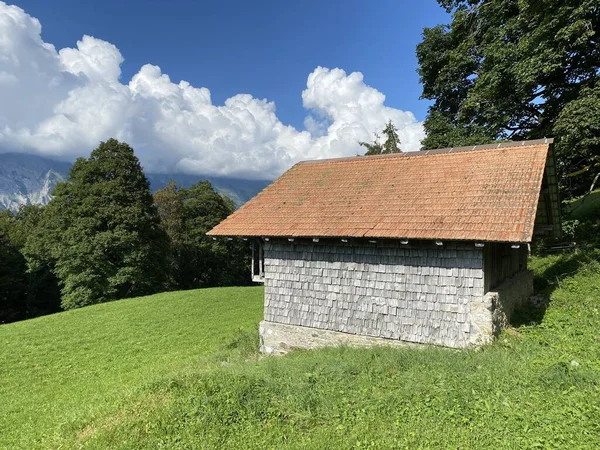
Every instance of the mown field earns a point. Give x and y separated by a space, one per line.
180 370
60 374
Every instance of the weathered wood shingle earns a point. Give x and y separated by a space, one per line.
423 295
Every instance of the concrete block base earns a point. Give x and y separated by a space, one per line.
279 338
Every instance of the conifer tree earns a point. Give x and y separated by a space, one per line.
391 144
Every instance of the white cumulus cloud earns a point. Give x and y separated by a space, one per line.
62 103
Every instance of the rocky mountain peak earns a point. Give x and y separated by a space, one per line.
30 179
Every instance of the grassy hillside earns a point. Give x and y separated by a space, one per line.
584 208
60 373
174 371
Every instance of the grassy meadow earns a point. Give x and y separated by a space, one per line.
180 371
60 373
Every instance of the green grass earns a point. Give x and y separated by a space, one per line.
174 371
60 372
586 207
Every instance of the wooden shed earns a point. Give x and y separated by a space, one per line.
423 247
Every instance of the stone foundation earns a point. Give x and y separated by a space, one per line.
278 338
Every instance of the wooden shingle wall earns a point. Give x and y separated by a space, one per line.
417 294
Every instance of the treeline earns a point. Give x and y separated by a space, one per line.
104 237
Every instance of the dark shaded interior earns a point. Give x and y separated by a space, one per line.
501 261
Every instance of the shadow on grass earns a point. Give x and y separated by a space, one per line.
528 315
568 264
545 283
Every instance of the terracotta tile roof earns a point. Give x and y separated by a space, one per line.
487 193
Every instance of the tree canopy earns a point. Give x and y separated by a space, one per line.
196 259
23 293
13 280
516 69
391 144
104 237
101 231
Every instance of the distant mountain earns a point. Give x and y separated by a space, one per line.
240 191
29 179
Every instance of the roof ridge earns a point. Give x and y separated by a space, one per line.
466 148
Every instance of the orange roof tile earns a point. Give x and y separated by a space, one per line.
487 193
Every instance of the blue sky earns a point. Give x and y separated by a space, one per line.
264 48
73 73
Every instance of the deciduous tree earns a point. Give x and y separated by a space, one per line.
101 231
13 277
198 260
516 69
30 293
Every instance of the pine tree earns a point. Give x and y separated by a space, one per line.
391 144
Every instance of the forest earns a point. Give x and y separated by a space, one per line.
105 237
